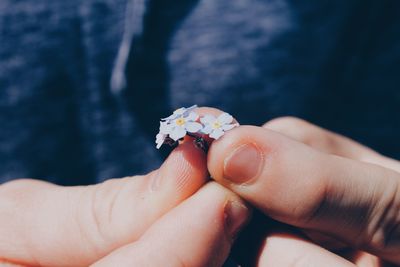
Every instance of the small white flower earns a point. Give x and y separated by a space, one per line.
165 129
184 123
177 125
180 112
216 127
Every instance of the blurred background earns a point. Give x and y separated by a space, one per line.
84 83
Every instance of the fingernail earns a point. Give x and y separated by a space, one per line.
243 164
236 214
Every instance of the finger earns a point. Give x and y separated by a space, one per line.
325 240
199 232
47 225
214 112
328 142
286 250
350 200
363 259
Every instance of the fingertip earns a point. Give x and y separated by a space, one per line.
223 152
185 169
261 166
189 159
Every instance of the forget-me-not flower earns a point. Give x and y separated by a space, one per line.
215 127
182 124
177 125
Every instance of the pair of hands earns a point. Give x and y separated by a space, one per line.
337 192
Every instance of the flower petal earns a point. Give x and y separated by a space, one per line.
225 118
207 129
177 133
217 133
191 108
180 111
193 116
193 127
159 144
160 138
188 110
228 127
165 128
170 118
208 119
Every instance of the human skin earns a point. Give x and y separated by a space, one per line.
333 189
169 217
338 192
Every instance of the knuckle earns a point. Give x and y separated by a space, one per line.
104 200
305 133
85 218
385 221
98 211
293 127
315 206
93 215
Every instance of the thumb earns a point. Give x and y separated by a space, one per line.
351 201
47 225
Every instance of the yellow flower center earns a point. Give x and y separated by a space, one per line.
180 121
216 125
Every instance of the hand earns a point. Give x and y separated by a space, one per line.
331 187
151 220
